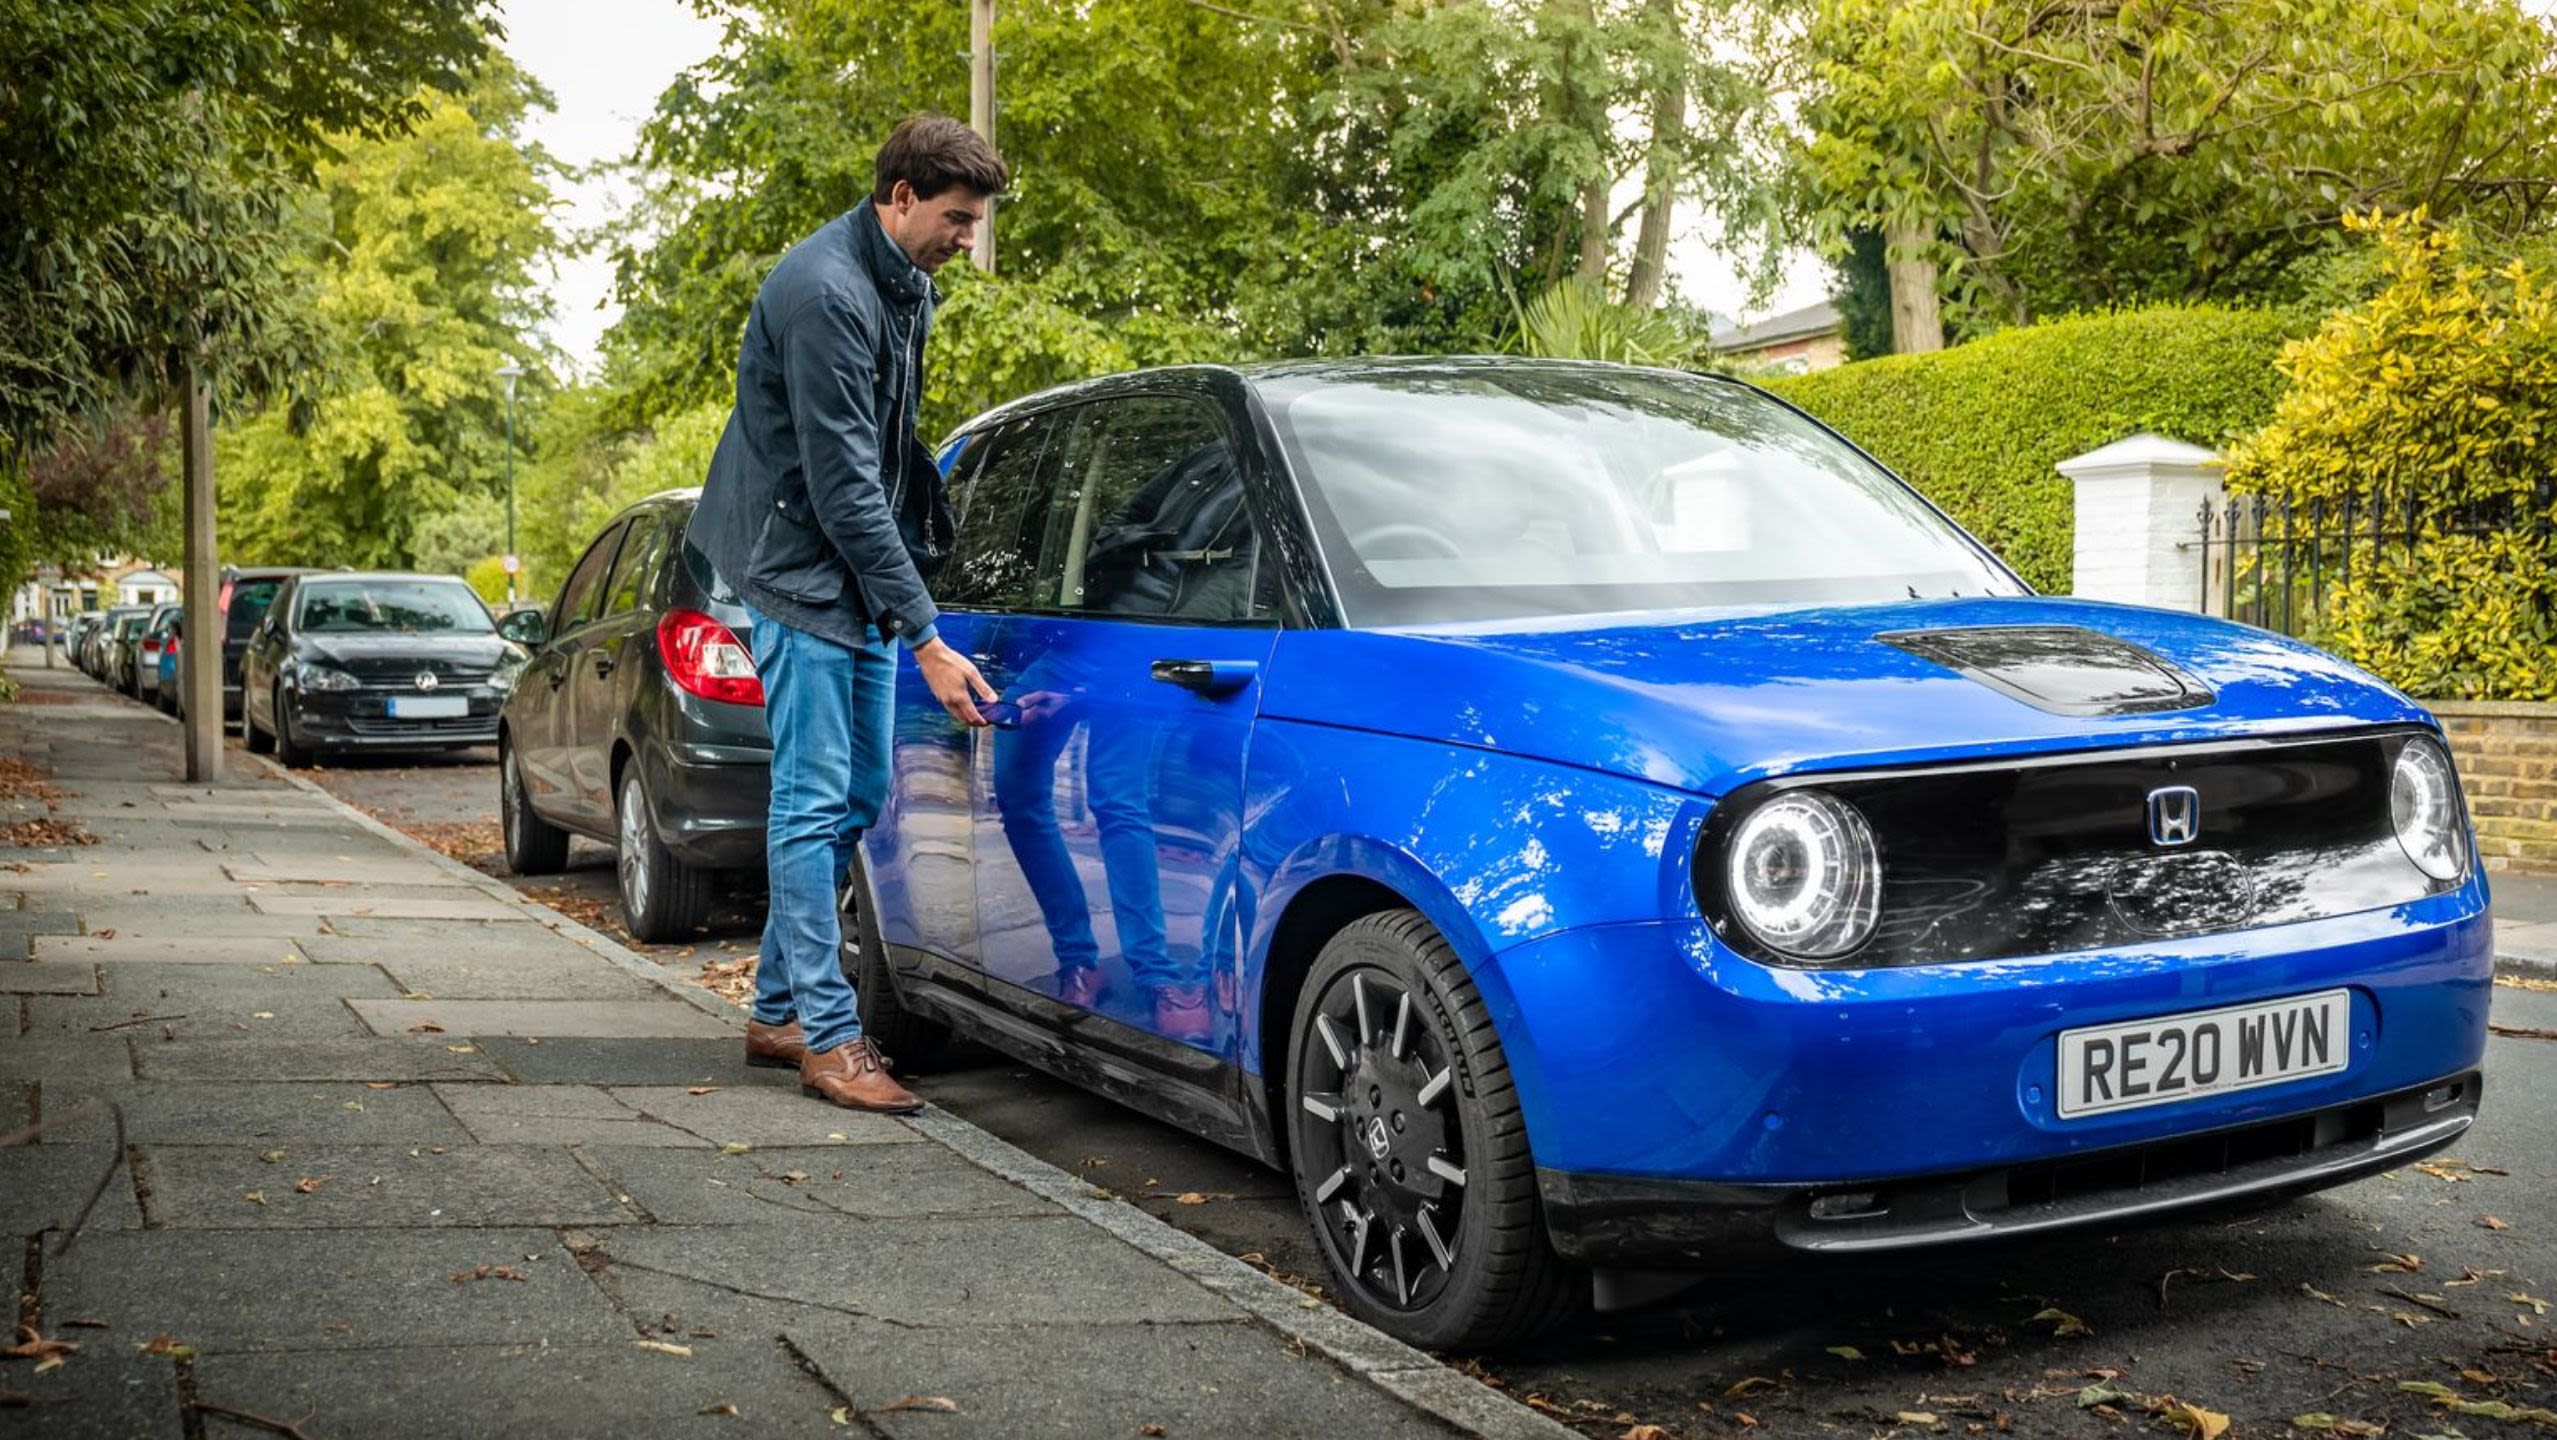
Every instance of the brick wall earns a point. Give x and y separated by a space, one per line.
2507 758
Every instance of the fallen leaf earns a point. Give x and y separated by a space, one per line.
1748 1385
2097 1395
936 1404
2399 1265
1189 1197
2489 1222
271 1156
1846 1352
255 1197
736 1147
1152 1430
2537 1305
841 1415
261 1014
310 1184
487 1272
663 1347
1644 1432
381 1084
719 1408
352 1105
426 1027
166 1344
2200 1423
2442 1172
1915 1417
2314 1293
459 1049
2064 1324
699 1089
32 1345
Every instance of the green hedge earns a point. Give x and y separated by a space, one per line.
1980 427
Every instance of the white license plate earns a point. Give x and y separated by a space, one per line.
429 707
2203 1052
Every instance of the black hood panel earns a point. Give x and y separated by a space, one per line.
2062 669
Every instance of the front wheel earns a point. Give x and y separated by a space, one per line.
662 898
534 846
1410 1148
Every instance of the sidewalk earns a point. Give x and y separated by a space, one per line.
405 1154
2525 919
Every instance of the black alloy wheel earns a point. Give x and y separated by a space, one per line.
662 898
288 750
1409 1148
534 846
884 1016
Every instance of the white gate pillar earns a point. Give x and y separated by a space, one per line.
2139 508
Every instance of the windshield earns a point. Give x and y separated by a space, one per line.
1471 491
340 607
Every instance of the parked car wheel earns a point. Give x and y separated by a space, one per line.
1421 1187
258 741
899 1031
534 846
662 898
287 749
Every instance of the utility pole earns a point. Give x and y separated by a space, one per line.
200 645
981 108
513 563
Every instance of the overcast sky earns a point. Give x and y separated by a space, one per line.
606 61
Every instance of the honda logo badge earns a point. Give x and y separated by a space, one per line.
2175 815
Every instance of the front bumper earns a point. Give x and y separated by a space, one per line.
1666 1079
346 720
1619 1221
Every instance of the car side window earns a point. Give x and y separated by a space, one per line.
577 598
1003 506
635 573
1149 519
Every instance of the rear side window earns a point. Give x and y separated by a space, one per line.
643 554
249 602
1002 520
577 598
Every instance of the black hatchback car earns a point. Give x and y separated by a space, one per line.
245 593
382 661
638 721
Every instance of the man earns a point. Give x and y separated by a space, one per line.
825 513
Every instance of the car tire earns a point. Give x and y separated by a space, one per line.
288 751
534 846
258 741
899 1031
1400 1107
662 898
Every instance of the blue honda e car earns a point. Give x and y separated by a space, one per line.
1587 822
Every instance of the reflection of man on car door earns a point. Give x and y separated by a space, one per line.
1180 547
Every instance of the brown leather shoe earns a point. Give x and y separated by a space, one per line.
855 1076
775 1047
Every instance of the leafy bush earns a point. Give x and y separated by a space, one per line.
2438 393
1980 427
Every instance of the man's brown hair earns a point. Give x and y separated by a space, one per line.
934 152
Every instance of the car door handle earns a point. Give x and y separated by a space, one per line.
1207 677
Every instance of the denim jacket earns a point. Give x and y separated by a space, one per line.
822 509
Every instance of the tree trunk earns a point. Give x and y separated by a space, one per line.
1660 181
1916 324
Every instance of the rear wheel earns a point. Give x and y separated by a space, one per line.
662 898
1410 1149
884 1017
534 846
288 749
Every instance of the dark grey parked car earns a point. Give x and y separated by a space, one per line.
638 721
347 661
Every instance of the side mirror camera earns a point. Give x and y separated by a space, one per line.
525 627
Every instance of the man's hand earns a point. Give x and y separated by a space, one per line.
954 681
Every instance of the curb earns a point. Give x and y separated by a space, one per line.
1407 1374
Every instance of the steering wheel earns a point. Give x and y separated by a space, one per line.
1430 541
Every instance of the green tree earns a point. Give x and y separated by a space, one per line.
2074 154
423 251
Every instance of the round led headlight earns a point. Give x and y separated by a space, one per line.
1803 874
2423 803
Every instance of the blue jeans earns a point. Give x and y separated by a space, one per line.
829 708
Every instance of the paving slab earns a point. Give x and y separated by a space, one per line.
210 1187
616 1390
56 1060
283 869
171 949
676 1061
387 907
1071 1382
268 1113
37 919
933 1272
557 1115
244 984
17 1104
332 1289
462 935
42 1187
385 1057
201 1017
800 1184
663 1016
506 975
492 944
155 918
105 1390
762 1115
48 977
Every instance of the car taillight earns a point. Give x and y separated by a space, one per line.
705 658
223 603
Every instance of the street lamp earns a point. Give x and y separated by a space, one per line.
511 372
